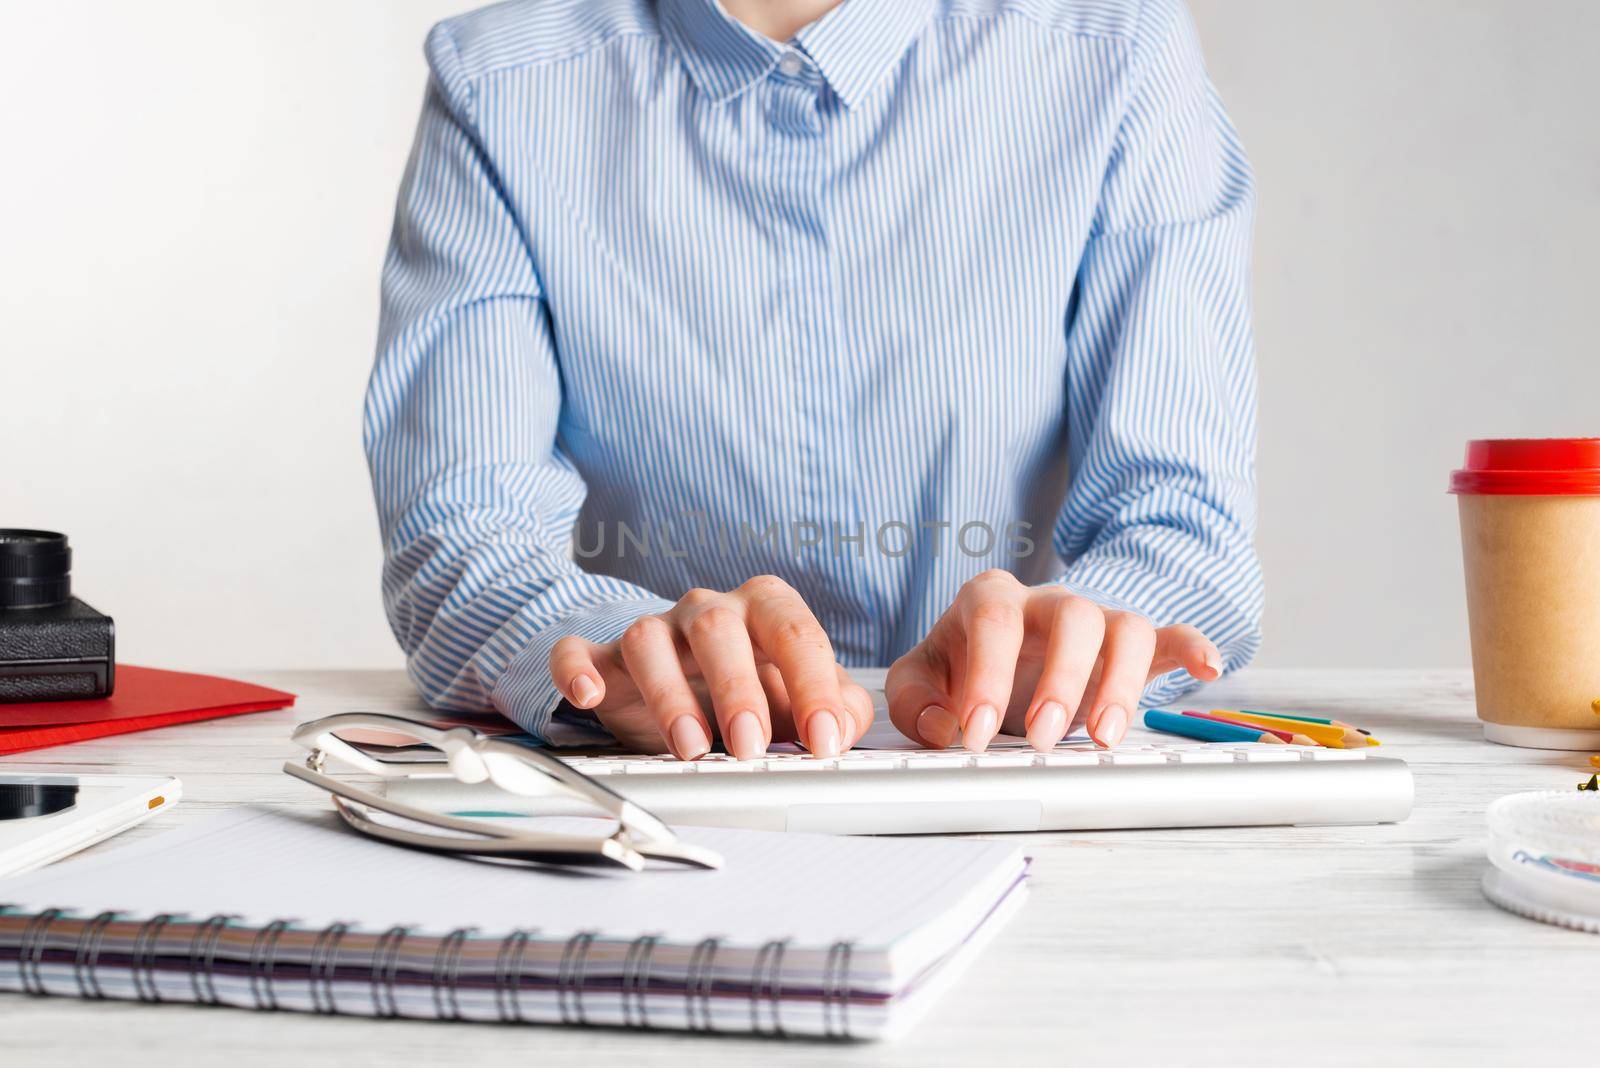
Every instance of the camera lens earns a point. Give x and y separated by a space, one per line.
35 569
22 799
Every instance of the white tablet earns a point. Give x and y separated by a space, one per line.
46 817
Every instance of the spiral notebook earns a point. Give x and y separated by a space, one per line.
277 909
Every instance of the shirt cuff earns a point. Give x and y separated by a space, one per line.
526 694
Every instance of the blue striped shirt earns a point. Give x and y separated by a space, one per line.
938 286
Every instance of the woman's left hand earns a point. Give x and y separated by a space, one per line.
1034 660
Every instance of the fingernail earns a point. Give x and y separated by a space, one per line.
1049 724
689 741
823 731
1112 726
746 741
1214 662
937 727
981 726
584 691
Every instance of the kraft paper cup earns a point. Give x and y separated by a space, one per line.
1530 542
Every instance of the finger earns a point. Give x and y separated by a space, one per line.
1182 646
991 616
858 709
651 654
575 673
791 638
917 690
1076 626
720 642
778 711
1125 656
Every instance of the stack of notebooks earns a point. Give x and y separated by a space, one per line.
276 909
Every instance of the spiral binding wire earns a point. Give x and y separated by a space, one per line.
143 967
697 984
202 958
263 954
570 977
385 961
30 951
836 990
636 981
324 966
766 987
765 984
87 957
508 975
447 973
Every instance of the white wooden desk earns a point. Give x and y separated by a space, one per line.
1364 945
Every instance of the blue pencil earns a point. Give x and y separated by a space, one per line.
1206 730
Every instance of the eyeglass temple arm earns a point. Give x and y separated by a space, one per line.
456 743
631 849
318 735
393 807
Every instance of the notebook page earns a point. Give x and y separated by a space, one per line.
265 864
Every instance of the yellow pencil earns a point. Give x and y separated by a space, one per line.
1325 734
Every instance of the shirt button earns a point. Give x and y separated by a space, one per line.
791 64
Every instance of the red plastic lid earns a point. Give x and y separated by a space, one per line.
1530 466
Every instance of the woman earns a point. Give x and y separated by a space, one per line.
724 345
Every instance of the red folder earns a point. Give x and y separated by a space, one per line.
144 698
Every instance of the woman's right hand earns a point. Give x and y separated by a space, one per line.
756 654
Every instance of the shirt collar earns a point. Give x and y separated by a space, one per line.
854 46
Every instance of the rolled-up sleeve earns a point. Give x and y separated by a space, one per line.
476 500
1160 513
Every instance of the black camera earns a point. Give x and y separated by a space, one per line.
53 647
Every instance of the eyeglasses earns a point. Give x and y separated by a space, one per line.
473 757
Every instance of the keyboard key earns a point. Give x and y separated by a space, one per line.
1204 756
1004 760
655 767
1126 757
717 767
929 760
1337 754
1073 758
1273 754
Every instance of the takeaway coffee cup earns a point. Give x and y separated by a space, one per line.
1530 540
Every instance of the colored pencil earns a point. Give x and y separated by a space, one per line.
1288 737
1206 730
1307 719
1334 736
1324 733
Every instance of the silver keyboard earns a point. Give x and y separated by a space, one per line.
924 760
896 791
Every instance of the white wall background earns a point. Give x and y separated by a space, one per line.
196 197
